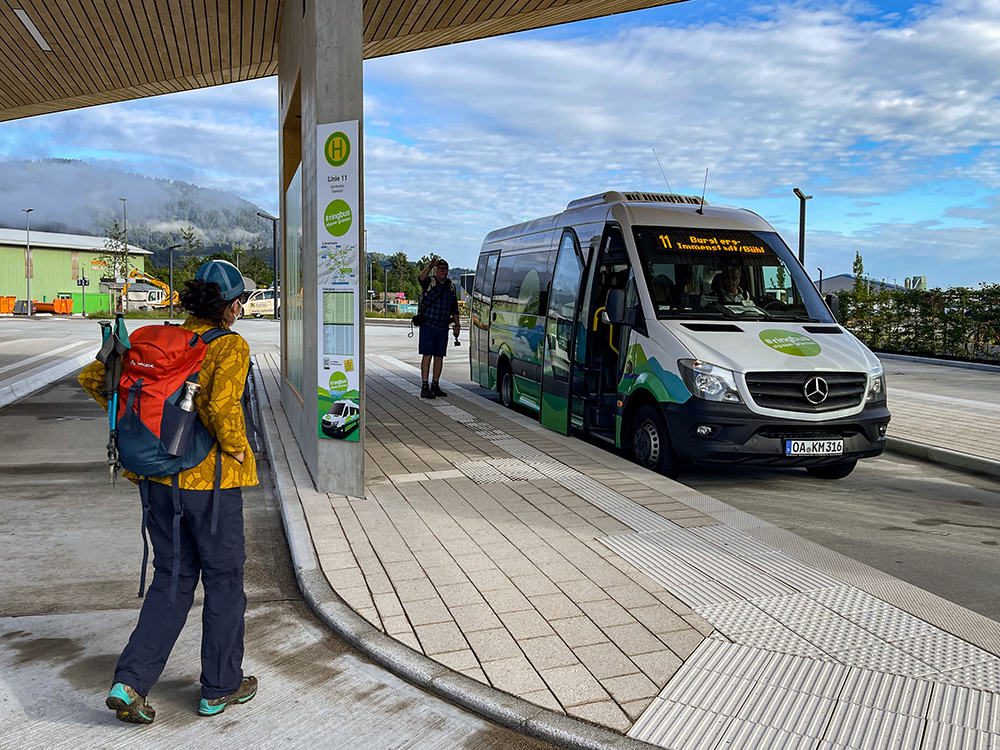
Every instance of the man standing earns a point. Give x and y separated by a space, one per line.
438 307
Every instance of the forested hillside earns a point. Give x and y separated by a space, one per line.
79 198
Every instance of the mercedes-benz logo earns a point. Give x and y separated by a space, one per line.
816 390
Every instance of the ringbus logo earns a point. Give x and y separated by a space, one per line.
337 149
790 342
338 383
338 218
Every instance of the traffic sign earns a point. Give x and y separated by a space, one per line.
83 281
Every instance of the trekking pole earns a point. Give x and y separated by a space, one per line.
114 344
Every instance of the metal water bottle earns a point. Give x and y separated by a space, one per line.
178 424
190 393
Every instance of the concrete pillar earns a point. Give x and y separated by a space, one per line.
320 82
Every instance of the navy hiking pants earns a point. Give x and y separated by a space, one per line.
218 558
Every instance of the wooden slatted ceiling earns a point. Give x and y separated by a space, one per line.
114 50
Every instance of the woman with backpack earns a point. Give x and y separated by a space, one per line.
195 517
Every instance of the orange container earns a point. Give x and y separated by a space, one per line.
68 306
7 304
57 306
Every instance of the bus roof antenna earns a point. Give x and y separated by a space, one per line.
662 172
701 208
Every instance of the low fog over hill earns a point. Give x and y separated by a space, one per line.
78 198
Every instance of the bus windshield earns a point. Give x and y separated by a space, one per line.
723 273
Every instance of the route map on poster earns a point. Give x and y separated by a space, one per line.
338 269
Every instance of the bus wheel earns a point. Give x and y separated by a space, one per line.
651 444
505 387
833 471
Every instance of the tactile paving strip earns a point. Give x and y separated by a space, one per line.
728 695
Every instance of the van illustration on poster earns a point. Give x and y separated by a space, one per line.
338 267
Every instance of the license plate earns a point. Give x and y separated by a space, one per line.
814 447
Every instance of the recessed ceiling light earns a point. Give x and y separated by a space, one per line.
32 29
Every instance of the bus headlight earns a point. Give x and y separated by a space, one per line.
709 382
876 386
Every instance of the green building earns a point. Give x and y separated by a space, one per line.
58 260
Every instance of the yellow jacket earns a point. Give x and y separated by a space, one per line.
222 377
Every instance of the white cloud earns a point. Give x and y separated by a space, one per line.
512 128
223 137
840 99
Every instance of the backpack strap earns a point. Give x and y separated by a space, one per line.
214 333
216 489
176 531
144 496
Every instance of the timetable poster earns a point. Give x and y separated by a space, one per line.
338 267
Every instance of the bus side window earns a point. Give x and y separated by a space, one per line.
502 286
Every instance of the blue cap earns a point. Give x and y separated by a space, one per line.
225 274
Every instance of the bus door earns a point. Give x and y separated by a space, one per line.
603 360
560 330
482 299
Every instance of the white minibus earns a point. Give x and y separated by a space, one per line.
677 331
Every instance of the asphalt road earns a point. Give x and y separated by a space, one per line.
70 552
933 527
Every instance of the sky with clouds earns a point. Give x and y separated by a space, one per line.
888 113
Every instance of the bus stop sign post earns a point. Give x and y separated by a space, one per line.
83 282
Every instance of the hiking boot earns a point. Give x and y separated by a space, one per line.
426 392
436 390
129 706
246 691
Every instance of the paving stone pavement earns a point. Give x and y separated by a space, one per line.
595 589
963 425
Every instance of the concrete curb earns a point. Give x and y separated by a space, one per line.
40 377
944 457
499 707
942 362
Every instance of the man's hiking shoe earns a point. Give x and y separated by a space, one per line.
129 706
426 392
436 390
247 690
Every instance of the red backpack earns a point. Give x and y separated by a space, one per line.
160 360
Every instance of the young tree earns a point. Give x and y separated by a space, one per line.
114 255
403 276
255 263
860 285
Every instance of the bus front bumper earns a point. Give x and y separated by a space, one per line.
739 435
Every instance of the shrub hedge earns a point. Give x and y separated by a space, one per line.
957 323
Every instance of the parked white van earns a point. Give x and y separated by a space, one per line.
676 331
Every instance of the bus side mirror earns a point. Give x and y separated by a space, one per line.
833 302
615 307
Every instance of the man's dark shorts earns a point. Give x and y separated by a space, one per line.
434 341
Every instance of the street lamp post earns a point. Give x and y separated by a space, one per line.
27 252
170 251
385 288
802 223
125 233
274 257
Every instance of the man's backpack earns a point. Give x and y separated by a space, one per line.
154 370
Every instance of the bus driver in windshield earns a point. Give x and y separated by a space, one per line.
727 285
